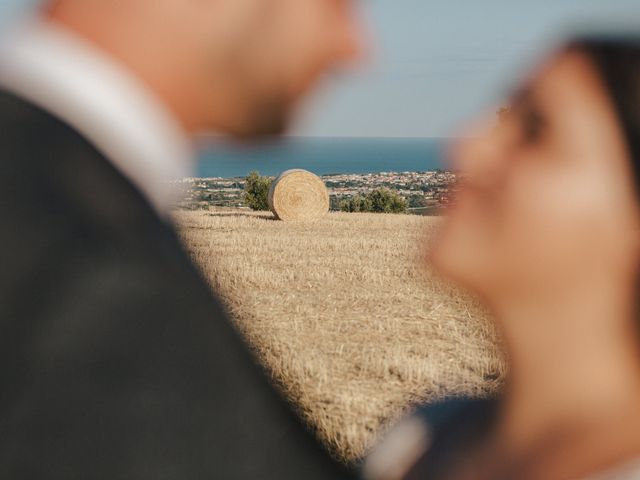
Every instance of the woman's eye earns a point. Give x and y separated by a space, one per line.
533 126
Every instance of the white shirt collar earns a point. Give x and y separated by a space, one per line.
65 75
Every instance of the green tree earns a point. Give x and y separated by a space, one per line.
357 203
256 191
384 200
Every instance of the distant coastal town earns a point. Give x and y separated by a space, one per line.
425 192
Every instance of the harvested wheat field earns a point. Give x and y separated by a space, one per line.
345 315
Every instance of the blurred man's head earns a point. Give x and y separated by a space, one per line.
235 66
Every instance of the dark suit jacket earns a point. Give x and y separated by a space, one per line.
458 428
116 361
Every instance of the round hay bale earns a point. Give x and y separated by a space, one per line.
298 195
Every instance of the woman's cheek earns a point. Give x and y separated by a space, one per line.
549 226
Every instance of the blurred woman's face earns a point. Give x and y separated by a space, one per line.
546 199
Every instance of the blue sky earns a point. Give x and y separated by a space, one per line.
435 63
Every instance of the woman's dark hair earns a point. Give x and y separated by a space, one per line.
617 58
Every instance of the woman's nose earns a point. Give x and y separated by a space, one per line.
476 156
352 42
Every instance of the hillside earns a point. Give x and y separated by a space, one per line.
346 316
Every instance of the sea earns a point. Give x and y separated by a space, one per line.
323 156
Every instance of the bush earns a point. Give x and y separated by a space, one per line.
357 203
380 200
256 191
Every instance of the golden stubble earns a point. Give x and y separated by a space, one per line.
345 316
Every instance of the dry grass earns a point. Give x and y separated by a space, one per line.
345 315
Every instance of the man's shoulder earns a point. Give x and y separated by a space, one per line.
20 117
12 104
47 168
62 202
35 148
